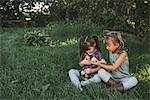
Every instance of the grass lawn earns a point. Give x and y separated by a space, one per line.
28 72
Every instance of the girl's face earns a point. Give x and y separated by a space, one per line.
110 46
91 50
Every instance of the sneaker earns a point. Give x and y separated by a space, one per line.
81 89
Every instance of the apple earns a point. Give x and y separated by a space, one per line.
86 75
94 59
87 57
82 72
103 61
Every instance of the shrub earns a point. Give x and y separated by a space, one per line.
62 33
36 38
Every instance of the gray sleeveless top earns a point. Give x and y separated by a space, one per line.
123 70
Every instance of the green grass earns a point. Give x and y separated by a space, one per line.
42 72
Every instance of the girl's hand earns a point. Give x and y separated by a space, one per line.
85 62
94 59
98 63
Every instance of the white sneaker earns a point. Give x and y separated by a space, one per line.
81 89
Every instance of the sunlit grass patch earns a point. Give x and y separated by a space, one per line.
144 73
58 43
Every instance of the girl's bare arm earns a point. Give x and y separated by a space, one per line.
116 65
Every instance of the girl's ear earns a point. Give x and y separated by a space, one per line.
94 45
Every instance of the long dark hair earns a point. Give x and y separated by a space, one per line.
86 41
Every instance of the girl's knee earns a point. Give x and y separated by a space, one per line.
71 71
135 81
101 72
104 75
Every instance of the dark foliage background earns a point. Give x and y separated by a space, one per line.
125 15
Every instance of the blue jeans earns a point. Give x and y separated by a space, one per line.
128 82
74 76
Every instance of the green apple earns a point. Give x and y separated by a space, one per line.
94 59
87 58
103 61
82 72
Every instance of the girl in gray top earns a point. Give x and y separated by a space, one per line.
116 75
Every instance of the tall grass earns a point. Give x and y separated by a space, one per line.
42 72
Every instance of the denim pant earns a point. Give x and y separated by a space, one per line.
74 76
128 82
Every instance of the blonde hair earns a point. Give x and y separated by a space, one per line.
116 38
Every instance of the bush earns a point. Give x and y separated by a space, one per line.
62 33
36 38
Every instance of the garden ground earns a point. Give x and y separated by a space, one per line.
34 72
